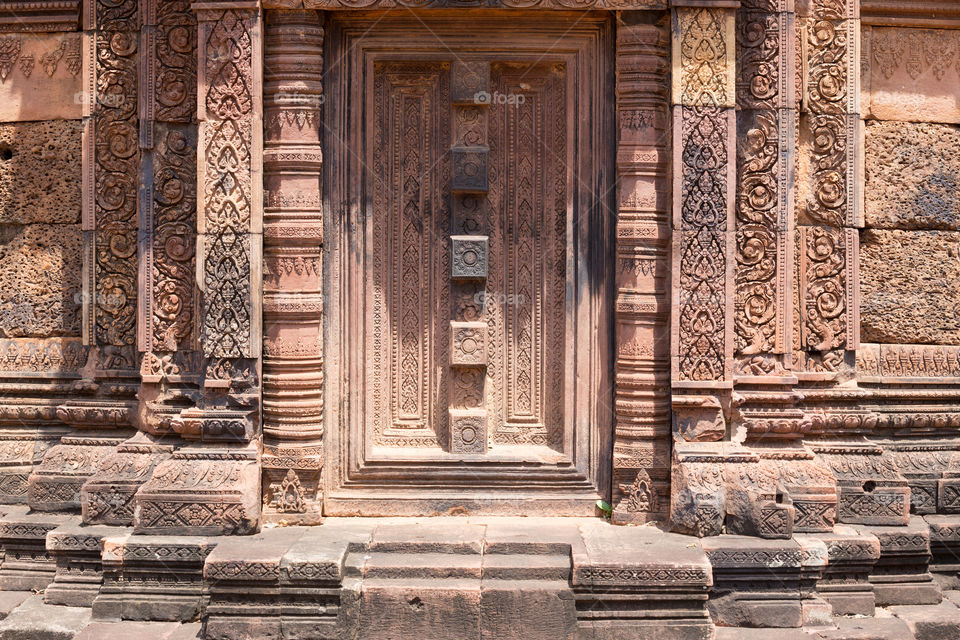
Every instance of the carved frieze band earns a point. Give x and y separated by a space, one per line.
293 270
44 16
764 210
829 209
111 173
908 361
641 458
231 201
704 186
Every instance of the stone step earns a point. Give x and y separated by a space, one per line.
526 567
131 630
931 622
36 620
421 565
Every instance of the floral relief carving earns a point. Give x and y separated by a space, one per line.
227 189
702 279
704 58
761 203
173 240
116 174
176 53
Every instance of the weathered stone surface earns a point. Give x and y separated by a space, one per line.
40 280
530 609
130 630
931 622
912 175
885 628
10 600
901 575
910 286
23 535
756 582
35 620
77 550
41 77
911 74
157 578
40 172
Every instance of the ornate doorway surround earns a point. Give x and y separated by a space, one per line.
468 339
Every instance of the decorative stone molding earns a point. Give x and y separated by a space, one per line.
20 16
829 200
212 487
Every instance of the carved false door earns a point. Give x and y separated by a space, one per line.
468 271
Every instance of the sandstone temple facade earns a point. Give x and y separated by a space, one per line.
480 318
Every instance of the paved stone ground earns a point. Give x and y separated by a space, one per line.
26 617
919 622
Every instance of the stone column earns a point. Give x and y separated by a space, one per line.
102 406
293 269
641 450
213 486
704 179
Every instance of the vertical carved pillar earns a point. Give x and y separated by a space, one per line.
167 302
102 406
828 210
704 178
641 452
293 276
766 415
213 485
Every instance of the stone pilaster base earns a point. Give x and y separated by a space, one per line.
56 482
76 550
871 489
655 587
292 491
107 498
763 583
20 453
945 549
152 577
850 559
27 565
901 575
201 490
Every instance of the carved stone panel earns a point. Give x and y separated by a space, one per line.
462 261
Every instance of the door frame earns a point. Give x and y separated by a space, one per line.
353 485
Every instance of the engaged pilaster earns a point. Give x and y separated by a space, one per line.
213 486
101 405
704 174
293 268
641 450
